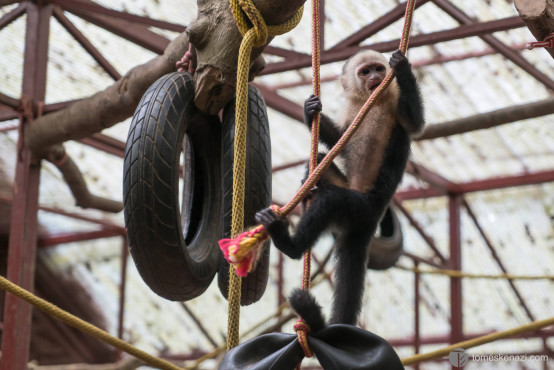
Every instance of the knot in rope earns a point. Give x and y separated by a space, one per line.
245 10
302 329
548 42
250 12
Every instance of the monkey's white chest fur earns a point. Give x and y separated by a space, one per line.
368 143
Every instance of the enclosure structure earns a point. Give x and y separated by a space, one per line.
477 196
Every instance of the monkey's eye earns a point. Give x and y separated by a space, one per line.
380 69
365 71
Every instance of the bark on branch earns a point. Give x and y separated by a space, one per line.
74 179
538 15
490 119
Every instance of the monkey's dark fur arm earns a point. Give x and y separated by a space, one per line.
329 133
356 216
410 104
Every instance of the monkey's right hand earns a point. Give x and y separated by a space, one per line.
270 220
311 106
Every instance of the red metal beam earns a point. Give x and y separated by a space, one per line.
441 59
468 30
508 181
335 55
432 178
417 334
496 257
419 259
455 263
136 33
11 16
285 53
105 143
63 238
57 106
430 242
376 26
9 127
281 104
463 18
481 185
286 166
86 44
9 101
425 193
16 335
91 7
78 216
7 113
122 292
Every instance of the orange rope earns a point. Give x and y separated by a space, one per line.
301 327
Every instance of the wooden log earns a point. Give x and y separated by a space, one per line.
538 15
489 119
217 39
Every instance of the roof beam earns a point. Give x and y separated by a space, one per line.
376 26
9 101
281 104
106 144
516 58
336 54
9 17
136 33
7 113
64 238
16 334
535 178
79 6
86 44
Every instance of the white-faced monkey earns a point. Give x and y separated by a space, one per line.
351 202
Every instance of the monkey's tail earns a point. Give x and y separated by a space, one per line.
306 306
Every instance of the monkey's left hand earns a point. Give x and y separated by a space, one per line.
311 106
398 61
271 221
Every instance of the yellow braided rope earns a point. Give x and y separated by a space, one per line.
532 326
461 274
256 36
84 326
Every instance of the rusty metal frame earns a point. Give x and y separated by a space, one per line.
16 334
135 29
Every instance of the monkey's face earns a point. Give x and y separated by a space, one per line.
363 73
370 75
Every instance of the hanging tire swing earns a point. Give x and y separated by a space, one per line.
386 249
172 189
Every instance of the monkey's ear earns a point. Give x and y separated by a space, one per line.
344 83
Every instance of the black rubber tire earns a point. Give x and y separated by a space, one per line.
175 266
257 191
386 249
